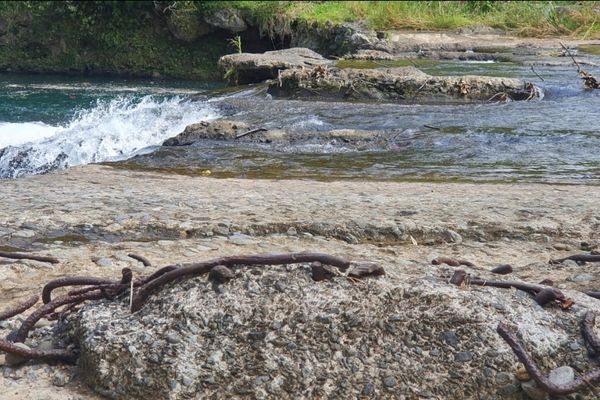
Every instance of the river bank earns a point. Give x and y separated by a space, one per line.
173 218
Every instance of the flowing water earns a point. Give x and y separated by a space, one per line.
49 122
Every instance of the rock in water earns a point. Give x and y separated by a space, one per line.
253 68
314 340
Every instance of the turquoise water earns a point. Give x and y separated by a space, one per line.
51 122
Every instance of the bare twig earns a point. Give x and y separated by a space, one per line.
453 262
241 135
534 71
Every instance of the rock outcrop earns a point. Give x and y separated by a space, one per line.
405 84
251 68
274 333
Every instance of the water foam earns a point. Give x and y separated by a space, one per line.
112 130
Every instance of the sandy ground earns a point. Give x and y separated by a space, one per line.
91 217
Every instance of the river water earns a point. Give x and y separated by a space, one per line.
49 122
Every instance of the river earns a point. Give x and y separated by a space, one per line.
50 122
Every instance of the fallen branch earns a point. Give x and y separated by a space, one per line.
24 256
575 385
589 81
241 135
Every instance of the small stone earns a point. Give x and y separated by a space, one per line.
60 379
562 375
173 338
570 264
259 380
503 378
187 381
220 274
241 239
507 390
450 338
533 391
463 356
368 389
452 236
222 230
561 246
292 231
574 346
389 381
522 374
104 262
25 233
583 277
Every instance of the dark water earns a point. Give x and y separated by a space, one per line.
554 140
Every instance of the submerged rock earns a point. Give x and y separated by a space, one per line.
404 84
248 339
252 68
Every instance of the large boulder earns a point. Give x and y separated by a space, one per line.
227 19
405 84
252 68
274 333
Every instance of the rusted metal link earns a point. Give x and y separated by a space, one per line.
587 331
503 269
360 270
188 270
575 385
578 258
19 308
453 262
141 259
595 295
25 256
50 355
72 281
21 334
126 276
158 273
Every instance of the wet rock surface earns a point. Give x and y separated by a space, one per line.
433 331
252 68
404 84
315 340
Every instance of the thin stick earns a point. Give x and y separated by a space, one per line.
24 256
533 70
571 55
241 135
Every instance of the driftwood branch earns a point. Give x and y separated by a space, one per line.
25 256
536 373
587 331
589 81
251 131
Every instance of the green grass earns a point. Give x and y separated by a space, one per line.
525 18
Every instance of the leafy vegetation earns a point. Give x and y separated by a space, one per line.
137 37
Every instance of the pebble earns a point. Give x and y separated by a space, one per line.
25 233
452 236
503 378
60 379
562 375
292 231
241 239
561 246
450 338
368 389
104 262
463 356
533 391
507 390
583 277
389 381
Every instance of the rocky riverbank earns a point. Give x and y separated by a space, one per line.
91 217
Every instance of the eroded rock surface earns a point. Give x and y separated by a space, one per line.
251 68
404 84
273 333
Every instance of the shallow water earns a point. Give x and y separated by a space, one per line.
554 140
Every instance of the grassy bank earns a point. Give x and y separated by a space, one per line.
525 18
160 38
